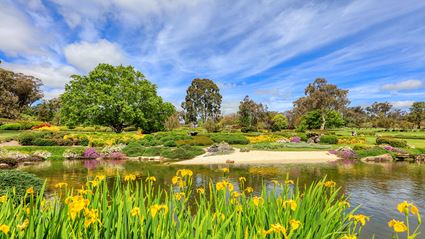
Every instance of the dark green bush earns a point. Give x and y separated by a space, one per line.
230 138
249 129
328 139
199 140
399 143
374 151
30 137
134 149
19 180
43 142
362 147
152 151
170 143
183 152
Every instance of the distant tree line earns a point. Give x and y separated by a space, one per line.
120 97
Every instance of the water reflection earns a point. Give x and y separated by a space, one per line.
377 187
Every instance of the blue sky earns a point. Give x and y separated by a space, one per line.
268 49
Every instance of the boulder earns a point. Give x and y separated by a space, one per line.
230 161
379 158
420 157
5 166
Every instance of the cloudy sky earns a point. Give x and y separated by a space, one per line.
268 49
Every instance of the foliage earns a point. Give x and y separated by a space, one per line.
250 113
17 91
182 152
351 140
323 98
102 139
345 153
374 151
172 122
48 110
18 180
199 140
73 153
328 139
314 119
391 141
295 139
18 126
140 210
91 153
116 97
229 138
417 113
211 126
289 146
279 122
263 138
202 102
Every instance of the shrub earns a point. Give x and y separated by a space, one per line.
211 126
295 139
17 126
152 151
198 140
374 151
91 153
28 138
183 152
42 154
249 129
346 153
43 142
391 141
362 147
328 139
112 149
351 140
134 149
74 153
230 138
170 143
19 180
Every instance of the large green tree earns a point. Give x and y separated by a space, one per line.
48 110
202 102
114 96
17 92
379 114
322 97
417 113
250 113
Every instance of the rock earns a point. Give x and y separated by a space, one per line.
244 150
221 148
420 157
314 139
379 158
5 166
230 161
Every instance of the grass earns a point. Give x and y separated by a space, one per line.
57 151
134 207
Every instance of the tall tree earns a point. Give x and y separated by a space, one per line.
17 91
250 113
417 113
322 97
116 97
48 110
202 102
379 113
355 116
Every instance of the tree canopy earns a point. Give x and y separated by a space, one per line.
322 97
114 96
17 91
417 113
202 102
250 113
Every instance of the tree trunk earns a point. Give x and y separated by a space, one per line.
322 126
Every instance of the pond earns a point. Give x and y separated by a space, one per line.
378 188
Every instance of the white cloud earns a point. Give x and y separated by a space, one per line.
51 76
404 85
16 33
402 104
86 55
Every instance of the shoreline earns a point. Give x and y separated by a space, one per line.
263 157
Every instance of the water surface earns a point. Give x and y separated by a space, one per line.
378 188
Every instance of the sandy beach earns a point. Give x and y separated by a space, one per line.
264 157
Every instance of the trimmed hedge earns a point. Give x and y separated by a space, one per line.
328 139
399 143
19 180
18 126
230 138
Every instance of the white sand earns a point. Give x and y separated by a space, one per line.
264 157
